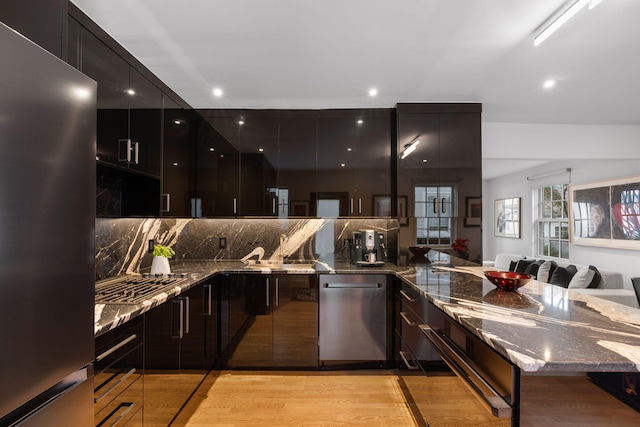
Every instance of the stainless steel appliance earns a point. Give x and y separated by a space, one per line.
366 244
135 289
47 220
353 317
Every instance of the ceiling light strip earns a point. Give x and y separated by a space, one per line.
410 148
566 15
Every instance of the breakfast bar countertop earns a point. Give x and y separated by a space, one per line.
541 328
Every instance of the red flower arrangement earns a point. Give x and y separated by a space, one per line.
461 246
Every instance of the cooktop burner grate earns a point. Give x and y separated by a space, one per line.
135 289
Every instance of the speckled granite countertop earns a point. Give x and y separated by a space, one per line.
541 329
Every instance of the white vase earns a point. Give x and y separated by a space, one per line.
160 265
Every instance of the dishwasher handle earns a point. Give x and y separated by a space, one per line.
351 285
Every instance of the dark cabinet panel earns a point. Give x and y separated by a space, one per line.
282 325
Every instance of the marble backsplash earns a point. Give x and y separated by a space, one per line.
122 243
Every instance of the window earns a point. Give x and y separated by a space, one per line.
434 206
552 220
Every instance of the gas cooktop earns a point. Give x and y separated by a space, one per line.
135 289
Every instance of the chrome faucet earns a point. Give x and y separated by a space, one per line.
283 238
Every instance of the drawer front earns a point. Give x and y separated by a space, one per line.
412 300
413 337
118 382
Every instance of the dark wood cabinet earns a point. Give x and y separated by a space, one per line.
282 327
174 354
443 172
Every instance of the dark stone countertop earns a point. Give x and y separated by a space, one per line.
541 328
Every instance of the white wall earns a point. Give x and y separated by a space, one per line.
593 153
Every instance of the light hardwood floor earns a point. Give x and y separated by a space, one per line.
272 398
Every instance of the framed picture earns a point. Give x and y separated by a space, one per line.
299 208
473 213
606 213
507 218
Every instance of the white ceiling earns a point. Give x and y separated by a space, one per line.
327 54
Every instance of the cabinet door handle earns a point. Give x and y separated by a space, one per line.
410 366
277 292
406 319
268 295
187 314
116 347
273 206
114 385
208 297
235 205
180 307
406 295
489 397
136 151
444 206
360 205
128 405
351 205
435 205
166 206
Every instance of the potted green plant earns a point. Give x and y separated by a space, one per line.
160 263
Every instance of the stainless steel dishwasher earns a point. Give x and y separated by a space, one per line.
353 317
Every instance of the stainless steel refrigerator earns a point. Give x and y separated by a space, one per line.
47 222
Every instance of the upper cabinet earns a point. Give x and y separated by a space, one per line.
178 164
439 173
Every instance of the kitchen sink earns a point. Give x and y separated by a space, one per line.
276 265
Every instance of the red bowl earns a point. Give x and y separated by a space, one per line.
507 280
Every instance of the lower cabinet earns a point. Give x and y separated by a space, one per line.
118 380
281 324
174 354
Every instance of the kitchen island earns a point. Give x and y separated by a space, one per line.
548 337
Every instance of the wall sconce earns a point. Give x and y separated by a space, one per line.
410 148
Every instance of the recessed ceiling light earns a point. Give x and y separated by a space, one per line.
175 163
548 84
177 122
360 121
131 91
217 92
349 149
261 150
343 164
424 160
373 92
212 149
240 122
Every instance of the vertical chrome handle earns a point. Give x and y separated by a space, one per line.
359 205
180 307
435 205
444 207
166 205
273 206
187 314
208 297
128 151
277 292
351 205
136 150
235 205
268 295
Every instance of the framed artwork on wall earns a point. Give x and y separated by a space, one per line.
299 208
473 212
507 218
605 213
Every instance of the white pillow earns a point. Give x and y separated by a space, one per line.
543 271
582 278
